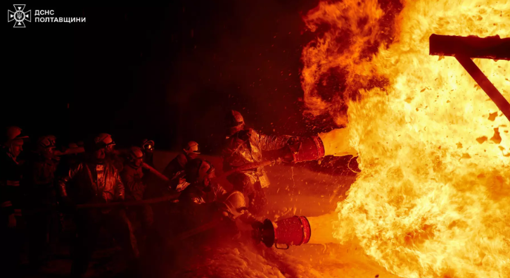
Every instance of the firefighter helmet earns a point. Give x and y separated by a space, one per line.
234 118
13 134
191 147
104 140
148 145
236 203
135 156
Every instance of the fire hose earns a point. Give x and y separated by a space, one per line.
129 203
302 149
69 151
164 178
308 148
105 205
144 165
155 172
187 234
247 167
118 204
295 230
81 150
135 203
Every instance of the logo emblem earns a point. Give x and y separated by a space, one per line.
19 16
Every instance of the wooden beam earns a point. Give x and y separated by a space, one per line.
465 48
485 84
472 47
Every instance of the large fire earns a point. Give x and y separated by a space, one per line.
433 196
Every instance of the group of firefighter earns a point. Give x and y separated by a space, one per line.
104 188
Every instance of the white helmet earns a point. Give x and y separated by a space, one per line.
236 203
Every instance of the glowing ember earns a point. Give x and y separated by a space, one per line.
433 197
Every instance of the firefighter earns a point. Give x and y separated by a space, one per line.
202 189
74 154
96 181
175 170
243 147
111 154
40 198
11 240
148 152
107 140
218 221
132 177
195 198
234 207
148 157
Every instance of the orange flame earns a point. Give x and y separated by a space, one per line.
433 197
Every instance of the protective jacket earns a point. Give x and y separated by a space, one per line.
10 177
199 193
92 183
176 165
175 170
132 178
245 147
39 181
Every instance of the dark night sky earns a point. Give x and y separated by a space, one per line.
164 72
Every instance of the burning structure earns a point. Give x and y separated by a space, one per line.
432 198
